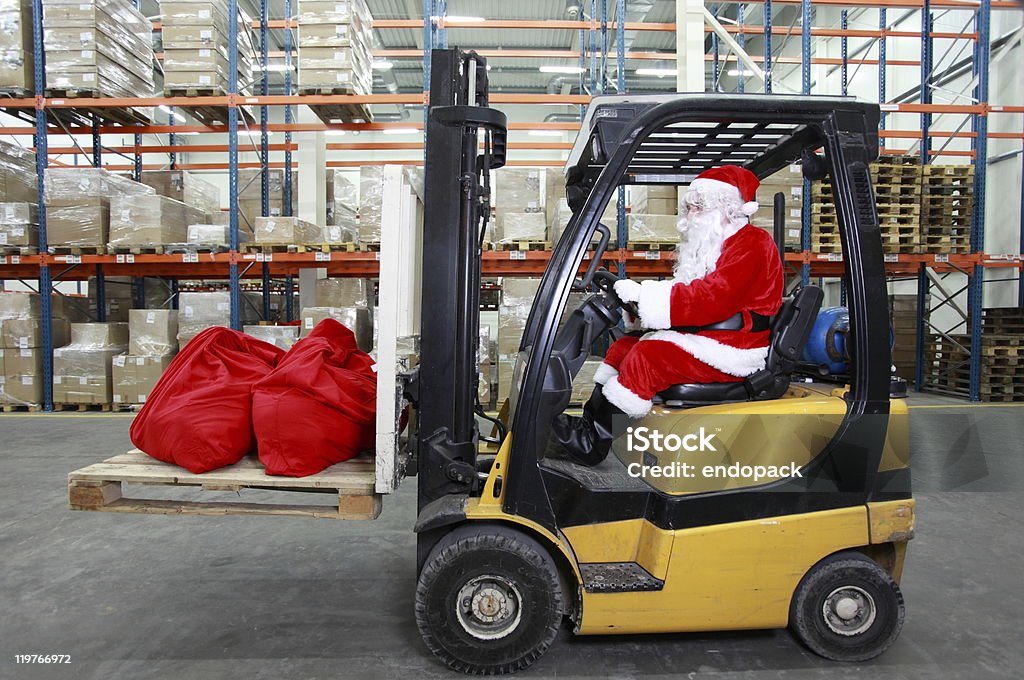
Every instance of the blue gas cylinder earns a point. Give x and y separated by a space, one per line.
827 344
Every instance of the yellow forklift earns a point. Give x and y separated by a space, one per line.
515 538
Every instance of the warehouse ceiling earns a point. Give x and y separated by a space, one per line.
520 74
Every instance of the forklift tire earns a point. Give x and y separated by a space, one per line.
488 600
847 608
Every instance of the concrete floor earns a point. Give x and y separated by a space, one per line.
132 596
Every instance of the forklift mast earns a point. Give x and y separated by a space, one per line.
464 140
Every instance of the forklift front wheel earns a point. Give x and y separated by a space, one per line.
488 600
847 608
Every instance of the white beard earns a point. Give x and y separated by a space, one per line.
703 234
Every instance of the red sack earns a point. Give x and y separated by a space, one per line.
199 414
318 407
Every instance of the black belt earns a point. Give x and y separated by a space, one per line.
758 323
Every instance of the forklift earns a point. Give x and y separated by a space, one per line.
514 539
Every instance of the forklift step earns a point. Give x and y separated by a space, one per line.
618 577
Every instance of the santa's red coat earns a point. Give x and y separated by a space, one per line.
747 278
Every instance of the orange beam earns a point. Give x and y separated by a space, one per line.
178 148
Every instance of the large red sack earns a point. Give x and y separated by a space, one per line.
318 407
199 414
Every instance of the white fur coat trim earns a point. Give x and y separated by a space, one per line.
726 358
603 373
630 403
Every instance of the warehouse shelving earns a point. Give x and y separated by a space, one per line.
236 266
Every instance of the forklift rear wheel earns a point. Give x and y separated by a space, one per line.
488 600
847 608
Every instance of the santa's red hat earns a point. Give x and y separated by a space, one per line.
731 179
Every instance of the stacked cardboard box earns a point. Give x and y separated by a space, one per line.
654 199
371 197
214 235
348 301
195 39
119 297
342 209
483 358
250 204
152 343
335 43
103 47
19 225
82 370
519 205
21 359
903 314
16 65
279 336
78 204
516 301
652 228
788 181
286 230
185 187
149 220
201 310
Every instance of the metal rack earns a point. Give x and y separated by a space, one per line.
593 57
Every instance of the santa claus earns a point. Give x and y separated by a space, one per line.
707 324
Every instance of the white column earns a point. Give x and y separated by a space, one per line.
690 45
311 161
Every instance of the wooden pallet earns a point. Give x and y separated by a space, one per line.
16 408
523 245
87 115
81 407
100 487
19 250
337 113
947 170
121 407
208 115
651 245
270 248
138 250
181 248
78 250
349 247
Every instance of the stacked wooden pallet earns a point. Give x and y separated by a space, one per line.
904 313
897 181
948 359
947 207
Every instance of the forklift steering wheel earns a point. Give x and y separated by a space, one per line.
605 281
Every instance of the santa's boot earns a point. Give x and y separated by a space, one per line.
587 438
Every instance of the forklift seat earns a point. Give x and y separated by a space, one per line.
790 329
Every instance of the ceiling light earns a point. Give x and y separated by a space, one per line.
546 133
382 65
659 72
555 68
454 19
255 132
336 133
185 133
401 131
737 72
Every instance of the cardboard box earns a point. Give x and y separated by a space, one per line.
279 336
185 187
520 227
19 305
150 220
653 227
519 190
371 197
356 319
286 230
152 332
134 377
23 362
78 221
99 335
21 389
656 199
28 333
21 235
343 292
